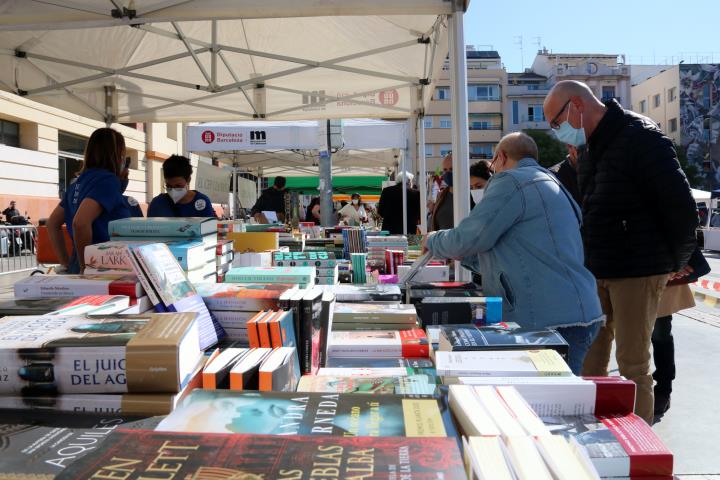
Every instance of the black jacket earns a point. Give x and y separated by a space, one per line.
567 176
639 216
390 209
271 200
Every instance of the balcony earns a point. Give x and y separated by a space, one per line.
524 91
592 69
485 136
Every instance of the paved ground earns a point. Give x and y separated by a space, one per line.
691 429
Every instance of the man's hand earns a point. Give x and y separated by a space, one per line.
424 243
682 273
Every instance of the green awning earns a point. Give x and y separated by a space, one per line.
364 185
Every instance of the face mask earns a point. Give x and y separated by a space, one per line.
124 185
177 193
569 134
477 195
355 201
448 178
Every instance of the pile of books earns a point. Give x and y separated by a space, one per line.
224 258
374 316
227 226
264 369
325 264
354 241
377 245
303 276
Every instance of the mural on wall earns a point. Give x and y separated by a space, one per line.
700 119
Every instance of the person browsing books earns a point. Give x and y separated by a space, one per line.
271 200
354 212
92 200
524 239
179 200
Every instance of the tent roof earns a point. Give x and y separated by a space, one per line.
214 60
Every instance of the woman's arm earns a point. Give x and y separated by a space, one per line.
86 214
57 241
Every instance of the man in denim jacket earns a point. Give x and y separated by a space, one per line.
524 239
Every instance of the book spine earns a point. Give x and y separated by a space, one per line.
125 287
264 334
152 279
149 229
276 340
250 278
613 397
414 343
647 453
252 332
306 336
145 282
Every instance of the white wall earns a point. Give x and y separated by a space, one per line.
27 172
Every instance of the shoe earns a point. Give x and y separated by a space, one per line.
662 403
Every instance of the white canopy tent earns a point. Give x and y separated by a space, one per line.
215 60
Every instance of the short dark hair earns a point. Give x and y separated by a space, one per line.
481 169
355 195
279 182
105 149
177 166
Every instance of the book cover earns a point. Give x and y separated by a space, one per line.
459 310
408 384
254 241
93 305
458 338
249 297
183 227
232 320
47 286
375 362
367 293
379 343
296 275
310 330
250 457
31 306
327 318
174 290
252 329
617 445
209 241
293 413
375 313
40 445
501 363
264 330
152 353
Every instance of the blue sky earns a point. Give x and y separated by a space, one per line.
646 31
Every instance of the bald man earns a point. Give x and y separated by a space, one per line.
639 223
524 239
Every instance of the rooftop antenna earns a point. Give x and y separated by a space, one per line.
519 42
538 42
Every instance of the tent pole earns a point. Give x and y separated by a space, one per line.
325 184
404 192
259 182
459 117
422 172
236 203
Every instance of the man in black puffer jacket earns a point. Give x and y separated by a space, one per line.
639 221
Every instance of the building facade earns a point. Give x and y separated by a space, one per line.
487 85
684 100
525 96
41 150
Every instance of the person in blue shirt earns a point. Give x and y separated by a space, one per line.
524 239
179 201
93 200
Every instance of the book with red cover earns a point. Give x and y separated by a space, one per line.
379 343
139 454
617 445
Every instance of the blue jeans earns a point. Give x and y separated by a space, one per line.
579 339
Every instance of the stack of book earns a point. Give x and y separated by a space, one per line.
303 276
227 226
233 305
324 263
374 316
459 310
196 253
354 241
387 294
263 369
291 242
224 258
252 259
377 245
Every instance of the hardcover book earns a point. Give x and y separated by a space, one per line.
618 445
298 275
375 313
294 413
183 227
311 331
249 297
459 338
151 353
209 241
249 457
48 286
379 343
367 293
159 269
459 310
501 363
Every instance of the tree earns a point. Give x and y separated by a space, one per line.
550 150
692 172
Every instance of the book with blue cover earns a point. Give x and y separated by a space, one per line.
172 290
298 275
183 227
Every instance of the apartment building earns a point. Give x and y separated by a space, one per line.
525 96
41 150
684 100
487 84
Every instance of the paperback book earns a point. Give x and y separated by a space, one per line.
379 343
367 293
249 457
375 313
458 338
151 353
459 310
408 384
249 297
115 255
295 275
501 363
50 286
183 227
375 362
31 306
298 413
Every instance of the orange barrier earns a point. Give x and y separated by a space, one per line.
45 253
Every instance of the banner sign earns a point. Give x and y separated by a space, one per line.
213 181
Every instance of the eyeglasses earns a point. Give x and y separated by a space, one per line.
553 123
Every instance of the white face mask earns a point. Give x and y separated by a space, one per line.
355 201
477 195
177 193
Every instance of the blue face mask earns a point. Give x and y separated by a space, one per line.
571 135
124 185
447 178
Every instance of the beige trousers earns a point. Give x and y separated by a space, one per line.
630 305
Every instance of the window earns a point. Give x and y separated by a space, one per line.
445 122
535 113
479 92
656 100
672 94
608 93
533 86
428 150
428 122
673 125
445 149
478 121
643 106
481 150
515 112
442 93
9 133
